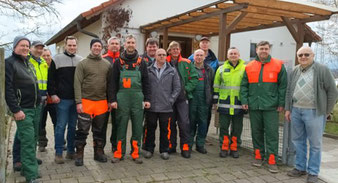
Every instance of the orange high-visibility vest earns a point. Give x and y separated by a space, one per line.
270 71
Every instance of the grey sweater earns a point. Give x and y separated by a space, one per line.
325 90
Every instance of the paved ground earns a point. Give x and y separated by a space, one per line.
199 168
329 166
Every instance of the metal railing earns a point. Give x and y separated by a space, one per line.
285 148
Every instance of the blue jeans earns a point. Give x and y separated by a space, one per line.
307 125
66 115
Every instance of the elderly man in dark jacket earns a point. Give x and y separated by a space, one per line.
165 87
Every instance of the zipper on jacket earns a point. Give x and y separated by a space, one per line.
18 93
35 92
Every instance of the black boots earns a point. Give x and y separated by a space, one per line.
99 153
223 154
234 154
201 149
185 154
79 155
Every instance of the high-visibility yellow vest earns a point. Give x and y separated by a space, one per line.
227 84
41 70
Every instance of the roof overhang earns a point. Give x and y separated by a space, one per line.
241 16
83 20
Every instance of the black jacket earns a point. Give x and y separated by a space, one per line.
21 86
114 76
61 75
209 83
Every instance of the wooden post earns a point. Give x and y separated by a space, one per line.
227 45
222 36
146 36
3 123
301 34
165 38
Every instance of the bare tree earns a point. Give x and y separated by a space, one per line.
328 30
28 8
34 14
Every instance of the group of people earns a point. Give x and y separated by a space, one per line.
161 87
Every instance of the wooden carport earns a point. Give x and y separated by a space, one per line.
224 17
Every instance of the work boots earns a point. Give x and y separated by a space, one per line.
99 153
79 155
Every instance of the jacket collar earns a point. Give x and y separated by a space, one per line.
21 58
69 55
265 61
179 58
113 55
94 57
240 62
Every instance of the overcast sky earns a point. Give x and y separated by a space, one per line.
68 11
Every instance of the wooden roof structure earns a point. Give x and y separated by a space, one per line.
224 17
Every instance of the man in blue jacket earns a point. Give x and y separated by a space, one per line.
210 58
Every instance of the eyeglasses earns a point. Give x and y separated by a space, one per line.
305 54
161 55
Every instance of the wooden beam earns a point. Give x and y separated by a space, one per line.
200 26
254 15
146 36
194 30
222 36
207 15
4 125
165 38
291 29
209 10
279 24
191 32
227 45
301 33
235 22
274 12
287 6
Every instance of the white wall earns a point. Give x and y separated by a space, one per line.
83 39
284 46
149 11
143 12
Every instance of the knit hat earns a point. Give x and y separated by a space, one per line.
17 39
95 40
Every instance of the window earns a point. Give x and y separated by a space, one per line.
253 51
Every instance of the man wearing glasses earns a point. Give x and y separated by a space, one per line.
263 93
310 97
164 89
